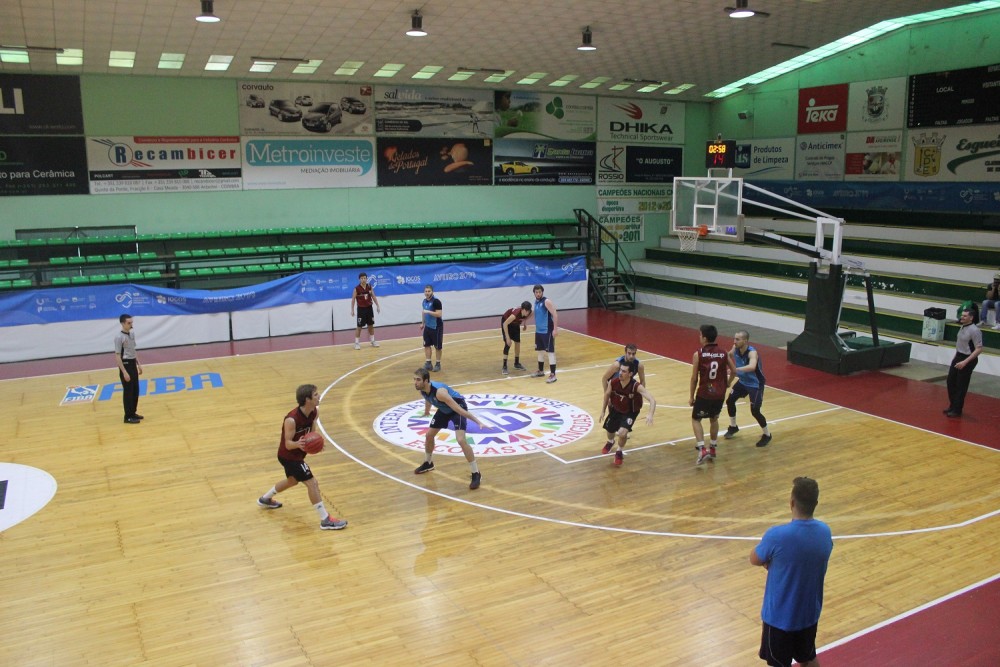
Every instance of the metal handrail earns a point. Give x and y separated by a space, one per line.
598 238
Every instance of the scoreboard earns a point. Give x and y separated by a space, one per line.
720 154
957 97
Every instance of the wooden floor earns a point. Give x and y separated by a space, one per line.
153 551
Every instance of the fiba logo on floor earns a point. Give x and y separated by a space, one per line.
515 425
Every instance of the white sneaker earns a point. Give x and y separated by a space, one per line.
374 344
357 346
996 327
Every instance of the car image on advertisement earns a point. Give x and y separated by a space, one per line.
303 101
517 167
255 101
352 105
322 118
284 111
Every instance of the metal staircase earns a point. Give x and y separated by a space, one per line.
610 274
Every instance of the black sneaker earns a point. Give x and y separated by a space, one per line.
269 503
428 365
426 466
476 478
131 420
764 440
519 367
504 371
731 431
437 367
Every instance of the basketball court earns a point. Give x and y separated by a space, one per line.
153 548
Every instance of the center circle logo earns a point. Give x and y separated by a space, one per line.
514 425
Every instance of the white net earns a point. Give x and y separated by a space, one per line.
688 237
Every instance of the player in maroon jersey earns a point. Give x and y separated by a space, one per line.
364 295
624 394
512 322
711 371
292 457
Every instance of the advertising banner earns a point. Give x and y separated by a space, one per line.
163 164
32 104
967 153
526 114
640 121
925 196
765 159
625 227
433 112
877 105
537 162
280 163
619 163
634 199
419 161
820 157
109 301
304 108
43 166
823 109
873 156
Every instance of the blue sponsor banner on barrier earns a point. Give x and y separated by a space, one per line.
70 304
911 196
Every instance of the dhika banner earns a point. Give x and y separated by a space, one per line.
874 156
820 157
765 159
877 105
97 302
970 153
122 165
527 114
444 161
823 109
640 121
281 163
304 108
433 112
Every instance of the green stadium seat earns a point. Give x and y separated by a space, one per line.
95 259
187 273
37 242
151 275
54 261
216 252
199 254
237 269
147 256
269 268
79 280
288 266
21 283
183 254
61 281
220 270
255 268
113 258
117 278
130 257
203 271
231 252
76 260
98 279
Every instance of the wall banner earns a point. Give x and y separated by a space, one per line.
634 200
876 105
163 164
540 162
823 109
34 104
820 157
433 112
285 163
304 108
640 121
422 161
626 228
619 163
526 114
967 153
43 166
873 156
765 159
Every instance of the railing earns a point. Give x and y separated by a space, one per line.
600 239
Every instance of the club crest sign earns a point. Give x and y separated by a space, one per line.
515 425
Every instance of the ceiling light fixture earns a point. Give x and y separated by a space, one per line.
742 11
587 38
416 25
485 70
40 49
207 12
268 59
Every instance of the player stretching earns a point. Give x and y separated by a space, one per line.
624 395
750 371
711 369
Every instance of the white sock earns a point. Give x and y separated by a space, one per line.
473 466
429 458
700 444
357 339
713 443
767 431
321 510
271 494
732 421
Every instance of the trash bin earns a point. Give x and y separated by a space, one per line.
934 324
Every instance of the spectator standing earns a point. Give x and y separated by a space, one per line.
992 301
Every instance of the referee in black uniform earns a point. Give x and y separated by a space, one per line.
129 369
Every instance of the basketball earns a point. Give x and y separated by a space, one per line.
312 443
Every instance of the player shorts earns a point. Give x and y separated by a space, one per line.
441 419
366 316
513 331
779 648
756 394
297 469
617 420
434 337
545 342
706 407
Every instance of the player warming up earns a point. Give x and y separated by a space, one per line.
711 369
451 409
292 457
512 322
750 382
432 327
546 328
624 394
364 296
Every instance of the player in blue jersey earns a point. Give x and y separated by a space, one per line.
750 382
451 409
546 328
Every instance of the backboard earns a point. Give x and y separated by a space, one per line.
715 203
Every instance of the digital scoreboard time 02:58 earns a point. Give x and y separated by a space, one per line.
720 154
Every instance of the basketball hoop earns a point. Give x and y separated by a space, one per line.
689 238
